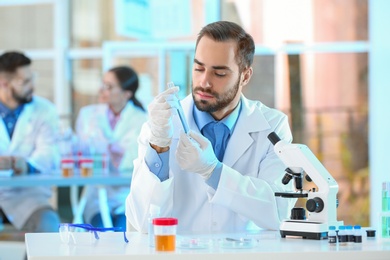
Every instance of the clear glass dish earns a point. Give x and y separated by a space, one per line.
237 243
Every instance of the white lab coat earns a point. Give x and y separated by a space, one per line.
35 138
92 121
251 173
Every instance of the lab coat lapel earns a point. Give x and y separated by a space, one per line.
103 122
23 127
123 122
250 120
4 137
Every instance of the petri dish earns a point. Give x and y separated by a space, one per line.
192 243
237 243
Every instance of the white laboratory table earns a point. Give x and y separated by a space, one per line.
78 204
269 245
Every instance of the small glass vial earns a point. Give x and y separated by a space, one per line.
332 236
350 234
67 167
342 236
86 167
385 215
385 196
154 212
165 233
357 234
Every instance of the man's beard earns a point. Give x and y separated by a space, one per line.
27 98
222 100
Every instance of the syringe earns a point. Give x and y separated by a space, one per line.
176 104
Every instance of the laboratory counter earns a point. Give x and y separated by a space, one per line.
261 245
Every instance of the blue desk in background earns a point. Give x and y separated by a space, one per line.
78 204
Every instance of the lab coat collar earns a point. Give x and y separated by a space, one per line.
122 123
102 114
23 126
4 138
127 114
250 120
204 118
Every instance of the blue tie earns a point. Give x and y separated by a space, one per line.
218 134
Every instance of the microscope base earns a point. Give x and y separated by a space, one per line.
304 229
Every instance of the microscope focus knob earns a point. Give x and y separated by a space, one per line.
315 205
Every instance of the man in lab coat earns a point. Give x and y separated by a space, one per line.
221 177
28 130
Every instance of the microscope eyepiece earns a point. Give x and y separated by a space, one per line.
287 178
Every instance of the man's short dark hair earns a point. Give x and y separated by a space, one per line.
223 31
11 61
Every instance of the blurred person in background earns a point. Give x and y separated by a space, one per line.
28 131
113 125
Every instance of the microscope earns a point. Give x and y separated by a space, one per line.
321 203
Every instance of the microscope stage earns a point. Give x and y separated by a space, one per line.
304 229
291 194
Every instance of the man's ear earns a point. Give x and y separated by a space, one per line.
246 75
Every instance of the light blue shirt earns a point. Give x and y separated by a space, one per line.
10 117
218 132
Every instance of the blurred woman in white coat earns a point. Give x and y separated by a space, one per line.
115 125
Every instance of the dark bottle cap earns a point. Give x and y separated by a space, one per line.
370 233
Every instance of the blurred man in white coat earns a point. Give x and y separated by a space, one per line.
28 132
222 175
113 127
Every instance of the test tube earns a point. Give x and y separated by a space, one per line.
180 111
385 215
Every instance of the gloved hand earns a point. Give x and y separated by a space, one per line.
5 162
195 154
160 118
16 163
19 165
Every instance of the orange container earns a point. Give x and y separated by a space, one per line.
67 167
86 167
165 234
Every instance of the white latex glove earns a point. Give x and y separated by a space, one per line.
195 154
160 118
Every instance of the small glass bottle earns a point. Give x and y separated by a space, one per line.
350 234
67 167
86 167
385 196
154 212
357 234
385 215
342 236
332 236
